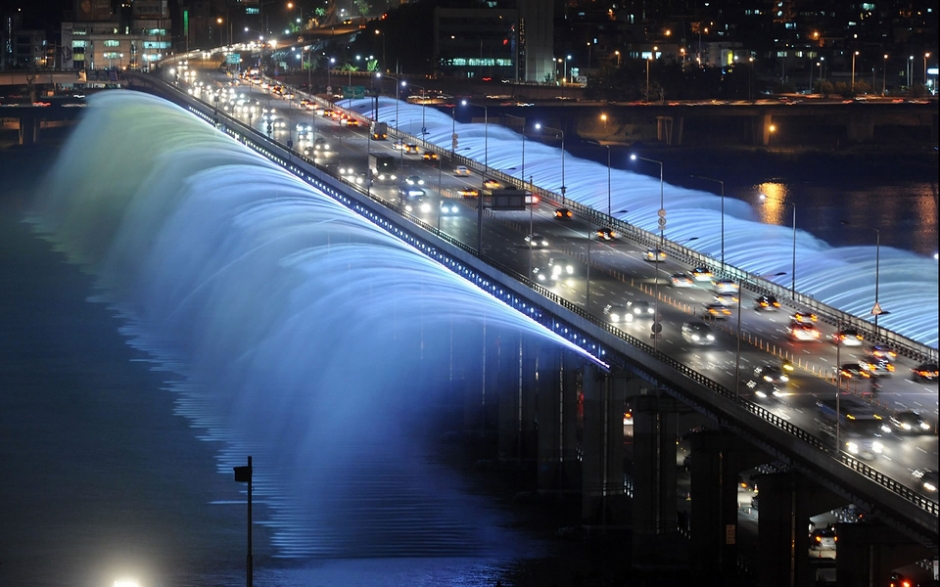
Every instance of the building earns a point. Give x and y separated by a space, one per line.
100 39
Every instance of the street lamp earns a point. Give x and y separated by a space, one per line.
926 55
329 84
884 75
648 59
657 327
604 119
763 198
291 6
617 53
608 184
424 129
722 184
876 309
378 32
854 55
486 168
564 188
772 128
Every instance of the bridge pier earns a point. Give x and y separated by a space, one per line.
787 502
557 410
713 522
657 543
603 500
869 552
28 129
517 402
669 129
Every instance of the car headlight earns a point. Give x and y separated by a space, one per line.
710 337
760 394
905 426
852 447
877 447
784 378
425 207
924 426
615 317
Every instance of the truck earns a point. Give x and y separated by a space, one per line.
383 167
379 131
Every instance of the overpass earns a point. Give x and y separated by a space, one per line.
664 387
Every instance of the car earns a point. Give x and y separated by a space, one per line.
864 448
771 374
681 280
804 316
848 337
641 309
418 204
563 214
414 180
532 199
766 304
491 184
927 479
727 298
320 144
924 372
461 171
697 333
557 269
803 331
449 207
726 286
411 148
880 352
878 367
655 255
823 539
618 313
764 389
398 144
909 422
702 274
853 371
536 241
717 311
430 156
351 122
606 234
410 191
468 192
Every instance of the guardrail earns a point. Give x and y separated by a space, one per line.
558 323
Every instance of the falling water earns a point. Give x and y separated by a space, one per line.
296 332
841 277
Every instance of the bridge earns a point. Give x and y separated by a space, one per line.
802 471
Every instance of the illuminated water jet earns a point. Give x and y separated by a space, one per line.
303 334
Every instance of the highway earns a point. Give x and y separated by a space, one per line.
616 272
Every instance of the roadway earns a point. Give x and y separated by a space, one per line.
617 272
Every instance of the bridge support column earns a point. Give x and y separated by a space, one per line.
517 400
557 409
869 552
28 129
656 539
602 493
786 505
664 126
714 517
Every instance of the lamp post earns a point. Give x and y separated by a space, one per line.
291 6
401 149
884 75
617 53
648 59
722 184
608 185
604 120
329 84
382 33
926 56
486 168
453 132
565 70
657 327
424 101
531 218
876 309
763 198
564 188
854 55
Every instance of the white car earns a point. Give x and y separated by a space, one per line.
449 207
681 280
414 180
461 170
726 286
641 309
418 204
697 333
618 313
536 241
